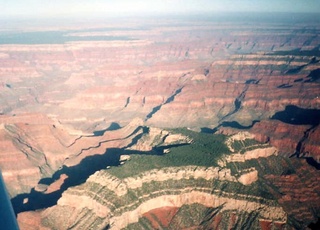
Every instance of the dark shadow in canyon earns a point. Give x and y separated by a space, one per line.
207 130
284 86
154 110
77 175
314 76
315 226
236 125
231 124
127 102
313 162
298 116
169 99
113 126
298 80
315 52
252 81
135 140
295 70
237 103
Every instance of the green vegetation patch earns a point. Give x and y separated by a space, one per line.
255 192
244 145
205 150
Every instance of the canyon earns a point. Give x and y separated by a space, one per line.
176 123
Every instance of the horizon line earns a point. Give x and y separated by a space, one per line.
157 15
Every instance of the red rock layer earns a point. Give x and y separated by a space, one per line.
298 193
32 147
120 80
283 136
311 146
161 217
170 76
30 221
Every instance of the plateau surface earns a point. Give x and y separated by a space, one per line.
174 123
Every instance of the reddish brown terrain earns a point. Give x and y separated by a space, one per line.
68 111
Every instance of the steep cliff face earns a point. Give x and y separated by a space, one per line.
88 138
310 145
34 147
198 76
244 188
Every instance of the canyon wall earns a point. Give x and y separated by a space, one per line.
98 134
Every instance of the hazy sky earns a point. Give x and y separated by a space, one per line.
55 8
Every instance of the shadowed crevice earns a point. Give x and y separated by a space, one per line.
157 108
77 175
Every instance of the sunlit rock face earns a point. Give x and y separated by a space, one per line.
35 147
252 182
199 76
95 132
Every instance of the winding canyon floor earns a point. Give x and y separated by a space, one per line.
178 123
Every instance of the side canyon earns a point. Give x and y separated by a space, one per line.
176 123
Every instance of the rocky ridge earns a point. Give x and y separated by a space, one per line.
208 76
116 202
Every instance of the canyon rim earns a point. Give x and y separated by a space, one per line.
181 122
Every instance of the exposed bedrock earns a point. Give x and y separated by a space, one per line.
294 131
34 147
117 81
243 188
88 138
104 211
241 91
100 207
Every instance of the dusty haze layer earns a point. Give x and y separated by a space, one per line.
66 91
